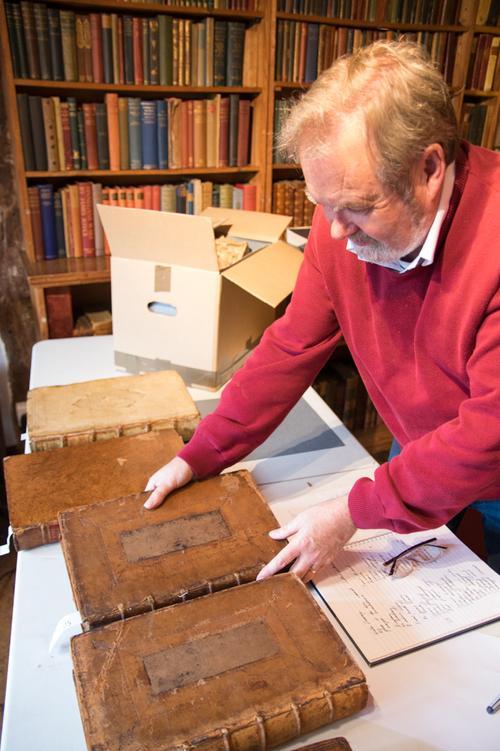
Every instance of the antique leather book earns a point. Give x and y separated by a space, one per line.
42 484
246 668
77 413
330 744
123 559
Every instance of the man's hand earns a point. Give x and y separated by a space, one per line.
171 476
315 537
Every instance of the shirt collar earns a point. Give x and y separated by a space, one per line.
428 249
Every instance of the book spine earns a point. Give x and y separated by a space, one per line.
20 39
123 132
30 36
146 50
128 50
137 47
165 50
134 133
233 129
153 51
86 219
68 37
58 211
224 132
102 135
81 139
36 222
42 33
26 136
56 104
149 135
234 53
243 132
38 132
66 135
80 48
96 48
33 537
50 134
60 319
14 48
47 211
107 48
115 48
219 59
75 139
76 227
55 43
111 102
161 116
90 129
98 229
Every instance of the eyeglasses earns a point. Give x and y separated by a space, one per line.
426 551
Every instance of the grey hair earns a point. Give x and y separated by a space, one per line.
401 98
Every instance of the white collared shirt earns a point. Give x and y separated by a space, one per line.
428 249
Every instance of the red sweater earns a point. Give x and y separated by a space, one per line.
426 343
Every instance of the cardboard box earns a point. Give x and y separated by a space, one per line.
174 309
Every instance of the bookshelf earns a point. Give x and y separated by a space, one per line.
31 84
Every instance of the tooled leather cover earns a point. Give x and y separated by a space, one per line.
246 668
209 535
42 484
105 408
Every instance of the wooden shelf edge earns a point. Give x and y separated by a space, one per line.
38 83
68 271
188 171
174 10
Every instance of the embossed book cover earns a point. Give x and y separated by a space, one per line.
246 668
105 408
123 559
42 484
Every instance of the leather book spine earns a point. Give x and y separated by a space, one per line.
42 34
55 43
96 47
68 37
36 221
31 39
111 102
27 538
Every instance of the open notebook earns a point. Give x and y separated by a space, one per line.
387 616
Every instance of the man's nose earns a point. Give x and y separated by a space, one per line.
340 226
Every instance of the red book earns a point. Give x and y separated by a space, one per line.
243 132
106 202
129 198
66 134
139 197
137 49
249 196
86 219
36 222
156 197
111 101
148 197
90 131
59 312
96 47
224 132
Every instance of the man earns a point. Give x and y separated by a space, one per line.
402 261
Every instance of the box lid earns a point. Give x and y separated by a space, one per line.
176 239
249 225
268 274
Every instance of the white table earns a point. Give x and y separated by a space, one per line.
430 700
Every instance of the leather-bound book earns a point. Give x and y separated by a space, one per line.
105 408
41 485
207 536
246 668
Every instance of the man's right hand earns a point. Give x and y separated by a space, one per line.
171 476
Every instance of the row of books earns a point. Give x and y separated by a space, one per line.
208 4
130 133
394 11
289 198
340 385
59 44
304 50
477 120
484 63
65 222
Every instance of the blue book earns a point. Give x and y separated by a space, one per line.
47 211
311 72
161 118
134 133
149 134
61 243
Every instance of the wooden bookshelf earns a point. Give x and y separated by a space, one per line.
76 272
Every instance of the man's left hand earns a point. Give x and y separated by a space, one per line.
315 537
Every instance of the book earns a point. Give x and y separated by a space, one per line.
60 321
37 132
211 535
48 214
223 671
26 135
41 485
95 410
36 222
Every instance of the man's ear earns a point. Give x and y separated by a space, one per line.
432 168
